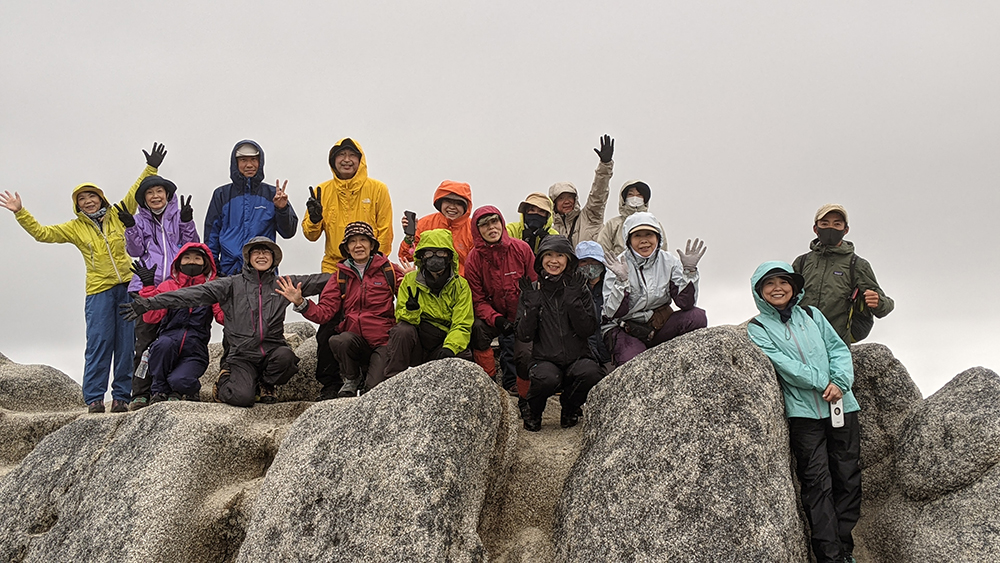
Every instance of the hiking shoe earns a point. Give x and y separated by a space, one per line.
215 393
174 397
267 395
119 406
532 424
194 398
849 559
522 405
158 398
569 420
328 392
350 387
138 403
96 407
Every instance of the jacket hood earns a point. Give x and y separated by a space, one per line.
355 183
762 271
590 249
149 182
266 242
559 188
459 189
556 243
477 237
234 170
644 219
175 266
643 187
436 238
88 188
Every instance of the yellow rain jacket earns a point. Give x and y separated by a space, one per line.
103 249
344 201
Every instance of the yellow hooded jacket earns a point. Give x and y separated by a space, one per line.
344 201
103 250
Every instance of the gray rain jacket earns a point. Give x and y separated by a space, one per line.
583 224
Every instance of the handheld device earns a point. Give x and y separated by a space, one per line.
837 413
411 220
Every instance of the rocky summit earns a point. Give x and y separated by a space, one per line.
682 456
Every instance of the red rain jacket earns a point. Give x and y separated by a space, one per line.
494 270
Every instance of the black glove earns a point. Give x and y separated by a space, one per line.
578 281
530 296
639 330
607 149
155 159
444 353
314 207
124 216
134 310
187 213
146 275
412 304
504 326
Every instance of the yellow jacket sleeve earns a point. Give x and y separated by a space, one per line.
63 232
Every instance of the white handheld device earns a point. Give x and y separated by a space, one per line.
837 413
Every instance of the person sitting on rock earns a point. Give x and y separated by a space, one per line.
556 314
647 280
433 308
179 354
361 294
259 357
815 370
591 264
453 200
495 265
536 220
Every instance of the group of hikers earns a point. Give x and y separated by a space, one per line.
539 286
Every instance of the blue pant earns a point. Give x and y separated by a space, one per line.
109 337
176 369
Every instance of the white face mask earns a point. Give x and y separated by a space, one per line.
635 201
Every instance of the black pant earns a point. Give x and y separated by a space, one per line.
826 462
239 386
327 368
145 334
575 380
353 352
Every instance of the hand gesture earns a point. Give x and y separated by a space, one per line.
443 353
691 255
832 393
413 302
407 266
156 158
617 267
314 207
12 202
607 149
289 290
280 197
871 298
578 281
123 215
146 275
524 284
504 326
187 213
134 310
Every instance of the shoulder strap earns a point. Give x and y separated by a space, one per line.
809 311
800 263
754 321
342 282
390 276
854 260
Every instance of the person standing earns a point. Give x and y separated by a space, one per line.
580 224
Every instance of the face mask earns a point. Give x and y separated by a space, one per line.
592 271
830 237
436 264
534 222
192 269
635 201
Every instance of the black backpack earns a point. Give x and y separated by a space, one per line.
860 319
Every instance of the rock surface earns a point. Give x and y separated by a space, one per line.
685 456
400 473
36 388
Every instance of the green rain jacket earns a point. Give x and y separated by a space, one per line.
826 270
807 354
451 309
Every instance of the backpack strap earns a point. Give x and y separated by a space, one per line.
800 263
342 282
390 276
754 321
854 260
809 311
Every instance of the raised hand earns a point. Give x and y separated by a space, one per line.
289 290
413 302
314 207
617 267
123 215
187 213
607 149
12 202
146 275
134 310
156 158
691 255
280 197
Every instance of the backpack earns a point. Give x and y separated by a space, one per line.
390 278
860 319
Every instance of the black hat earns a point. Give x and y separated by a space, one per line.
149 182
343 145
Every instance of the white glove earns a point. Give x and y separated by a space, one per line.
618 268
691 255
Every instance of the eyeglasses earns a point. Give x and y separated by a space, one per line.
259 251
440 253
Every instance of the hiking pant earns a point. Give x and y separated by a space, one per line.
827 464
482 337
145 334
110 338
410 346
239 387
176 363
352 352
575 380
327 368
624 346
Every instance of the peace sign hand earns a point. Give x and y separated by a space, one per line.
280 197
314 207
124 216
187 213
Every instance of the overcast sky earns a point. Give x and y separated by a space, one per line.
744 118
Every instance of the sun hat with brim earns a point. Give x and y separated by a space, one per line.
265 242
358 228
830 208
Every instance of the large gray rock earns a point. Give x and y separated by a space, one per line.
171 482
37 388
685 457
399 474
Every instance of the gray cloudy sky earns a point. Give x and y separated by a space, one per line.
743 117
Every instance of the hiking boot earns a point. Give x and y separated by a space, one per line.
849 559
522 405
174 397
267 395
350 387
328 392
194 398
138 403
215 393
96 407
119 406
158 398
533 424
569 417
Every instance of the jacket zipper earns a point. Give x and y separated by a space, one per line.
260 312
111 256
803 358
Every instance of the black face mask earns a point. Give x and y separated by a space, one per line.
436 264
830 237
534 222
192 269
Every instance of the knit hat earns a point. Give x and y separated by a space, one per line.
830 207
358 228
247 149
537 199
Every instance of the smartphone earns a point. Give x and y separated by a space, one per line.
411 220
